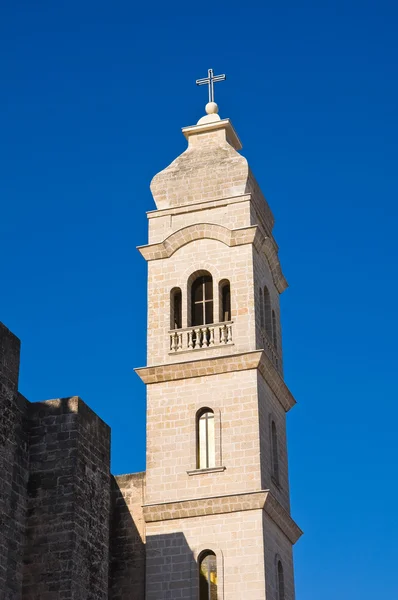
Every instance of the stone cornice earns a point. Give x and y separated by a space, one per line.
197 206
215 505
275 382
256 359
268 246
229 237
205 127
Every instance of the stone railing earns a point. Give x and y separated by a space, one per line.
201 336
271 352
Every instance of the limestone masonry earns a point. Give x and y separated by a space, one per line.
210 518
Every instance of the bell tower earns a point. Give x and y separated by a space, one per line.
217 508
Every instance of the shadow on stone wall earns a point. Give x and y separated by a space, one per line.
127 547
171 568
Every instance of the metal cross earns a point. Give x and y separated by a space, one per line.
210 80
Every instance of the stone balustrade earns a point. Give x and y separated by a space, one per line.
201 336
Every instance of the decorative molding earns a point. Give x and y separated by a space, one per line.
267 245
229 237
281 517
205 471
197 206
275 382
231 135
211 231
256 359
200 368
215 505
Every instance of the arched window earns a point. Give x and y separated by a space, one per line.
274 332
280 581
206 455
207 575
261 309
175 309
202 300
267 313
274 452
225 301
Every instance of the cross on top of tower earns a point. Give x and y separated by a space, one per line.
210 80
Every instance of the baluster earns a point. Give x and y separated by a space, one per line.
179 344
222 334
211 329
197 339
205 342
174 342
190 341
229 334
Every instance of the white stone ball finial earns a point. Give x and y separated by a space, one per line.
211 108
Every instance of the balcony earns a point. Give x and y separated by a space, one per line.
202 336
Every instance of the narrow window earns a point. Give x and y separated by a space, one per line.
261 309
274 333
175 309
274 452
281 582
206 456
202 300
225 301
207 576
267 313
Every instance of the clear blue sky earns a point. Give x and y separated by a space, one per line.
93 96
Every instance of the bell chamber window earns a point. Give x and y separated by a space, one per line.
175 309
208 576
225 301
274 333
274 452
206 455
261 309
267 319
202 300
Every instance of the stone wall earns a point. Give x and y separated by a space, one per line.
173 548
13 468
67 541
171 437
277 547
127 547
55 498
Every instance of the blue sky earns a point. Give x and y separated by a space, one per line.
93 96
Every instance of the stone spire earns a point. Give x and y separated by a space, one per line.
211 167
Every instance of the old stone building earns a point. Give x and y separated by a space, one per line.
210 517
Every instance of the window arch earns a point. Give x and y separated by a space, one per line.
274 452
175 308
280 581
205 439
202 300
208 583
225 300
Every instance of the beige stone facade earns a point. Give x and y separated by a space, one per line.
212 220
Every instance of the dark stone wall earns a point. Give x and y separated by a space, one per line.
68 530
67 540
13 468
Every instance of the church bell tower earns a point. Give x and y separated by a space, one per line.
217 510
